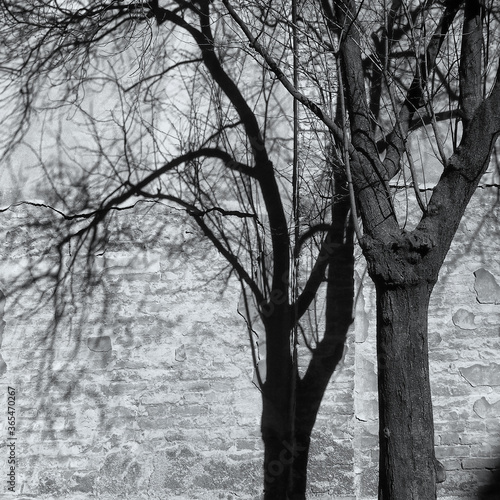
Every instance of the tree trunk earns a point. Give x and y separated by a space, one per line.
277 406
301 460
279 454
407 461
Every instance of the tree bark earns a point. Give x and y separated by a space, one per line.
407 461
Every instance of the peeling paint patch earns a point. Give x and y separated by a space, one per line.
366 375
99 344
487 288
367 410
482 374
486 410
180 353
464 319
362 323
434 339
83 483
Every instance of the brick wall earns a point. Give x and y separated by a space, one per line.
146 390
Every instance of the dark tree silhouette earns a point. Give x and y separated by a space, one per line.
207 114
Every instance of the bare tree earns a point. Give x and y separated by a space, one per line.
206 121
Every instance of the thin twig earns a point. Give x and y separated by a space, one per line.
352 196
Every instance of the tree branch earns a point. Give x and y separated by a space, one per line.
198 215
397 138
461 176
470 60
274 67
316 276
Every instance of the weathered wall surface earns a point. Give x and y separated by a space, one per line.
149 393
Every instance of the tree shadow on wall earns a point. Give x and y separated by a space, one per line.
72 325
491 490
475 226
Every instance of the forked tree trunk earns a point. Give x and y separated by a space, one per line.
327 354
407 462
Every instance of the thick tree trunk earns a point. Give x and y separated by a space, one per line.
407 462
279 451
299 471
277 406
